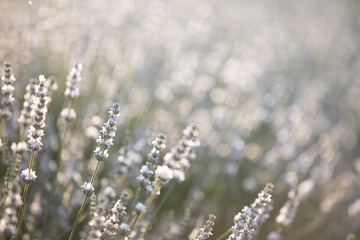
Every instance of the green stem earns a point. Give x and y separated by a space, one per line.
3 199
32 160
2 125
95 172
137 196
62 144
83 203
22 132
22 208
149 200
24 197
159 206
78 217
67 232
225 234
61 148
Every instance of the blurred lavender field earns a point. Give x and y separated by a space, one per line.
273 87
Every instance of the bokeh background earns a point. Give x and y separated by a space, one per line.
274 87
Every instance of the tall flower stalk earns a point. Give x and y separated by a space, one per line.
163 174
146 177
7 92
13 169
72 92
287 214
249 219
206 231
35 134
27 113
113 224
178 160
174 166
104 142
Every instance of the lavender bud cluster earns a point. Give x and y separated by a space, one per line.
92 205
36 130
123 166
88 189
68 114
245 225
7 91
247 222
107 133
263 203
12 202
100 211
28 175
27 113
206 231
113 223
51 86
179 157
19 148
164 173
288 211
146 177
96 222
139 207
72 91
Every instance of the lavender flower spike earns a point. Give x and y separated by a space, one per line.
107 133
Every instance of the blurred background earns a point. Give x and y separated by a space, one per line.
273 86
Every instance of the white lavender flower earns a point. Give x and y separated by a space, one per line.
96 224
147 170
68 114
72 91
13 147
107 133
245 225
88 189
7 90
180 156
206 231
113 223
178 175
247 222
124 229
50 86
19 148
28 175
12 202
288 211
273 236
100 210
164 173
34 144
139 207
97 220
27 113
36 130
263 203
126 160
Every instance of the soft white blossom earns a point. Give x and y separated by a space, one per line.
28 175
164 173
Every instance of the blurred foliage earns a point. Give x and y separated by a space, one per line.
272 85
